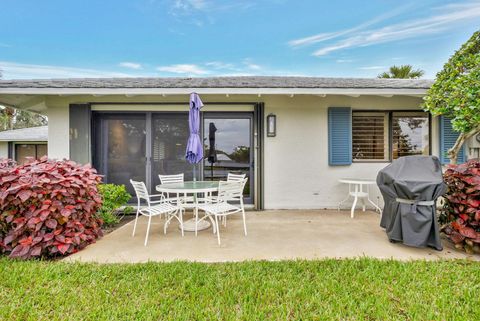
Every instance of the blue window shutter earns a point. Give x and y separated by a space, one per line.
339 136
447 139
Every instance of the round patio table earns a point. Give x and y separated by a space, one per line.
358 192
194 188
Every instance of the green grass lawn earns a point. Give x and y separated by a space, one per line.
362 289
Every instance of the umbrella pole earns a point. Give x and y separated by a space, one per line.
194 173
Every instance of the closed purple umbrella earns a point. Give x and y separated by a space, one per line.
194 153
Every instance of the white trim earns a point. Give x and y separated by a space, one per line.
27 141
169 107
214 91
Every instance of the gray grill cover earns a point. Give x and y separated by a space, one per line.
417 178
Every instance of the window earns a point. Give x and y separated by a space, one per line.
383 136
22 151
410 134
370 136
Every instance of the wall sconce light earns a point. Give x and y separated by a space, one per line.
271 125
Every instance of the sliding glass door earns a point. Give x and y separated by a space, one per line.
169 141
140 146
232 142
120 148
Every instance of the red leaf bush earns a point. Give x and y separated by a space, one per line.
461 212
48 208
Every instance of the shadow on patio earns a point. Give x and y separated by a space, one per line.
272 235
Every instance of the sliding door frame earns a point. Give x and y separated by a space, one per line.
257 125
237 115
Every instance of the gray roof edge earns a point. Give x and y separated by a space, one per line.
29 134
288 82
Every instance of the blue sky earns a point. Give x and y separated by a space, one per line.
342 38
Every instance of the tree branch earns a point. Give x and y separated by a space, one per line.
453 152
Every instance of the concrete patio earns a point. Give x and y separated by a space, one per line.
272 235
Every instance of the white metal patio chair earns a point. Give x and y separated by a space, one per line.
160 205
231 177
186 201
220 207
177 178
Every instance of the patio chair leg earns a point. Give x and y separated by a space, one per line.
352 212
167 222
218 229
196 220
181 221
244 223
363 205
214 227
135 224
148 229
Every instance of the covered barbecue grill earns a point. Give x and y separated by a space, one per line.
410 187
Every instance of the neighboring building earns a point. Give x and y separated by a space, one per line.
326 129
18 144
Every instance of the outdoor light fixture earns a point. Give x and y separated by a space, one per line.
271 125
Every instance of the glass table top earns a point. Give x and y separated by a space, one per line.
189 186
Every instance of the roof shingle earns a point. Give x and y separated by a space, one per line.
31 134
222 82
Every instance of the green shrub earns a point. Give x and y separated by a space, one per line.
114 197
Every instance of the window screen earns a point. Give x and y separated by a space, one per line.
370 136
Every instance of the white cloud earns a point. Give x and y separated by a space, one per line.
443 17
253 66
372 67
220 65
13 70
332 35
190 7
189 69
343 61
250 65
130 65
189 4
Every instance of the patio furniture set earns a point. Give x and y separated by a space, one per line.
218 200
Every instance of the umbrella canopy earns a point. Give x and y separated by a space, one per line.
194 153
212 153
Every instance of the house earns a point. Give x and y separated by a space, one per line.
18 144
293 136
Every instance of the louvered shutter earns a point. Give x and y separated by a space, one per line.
447 139
339 136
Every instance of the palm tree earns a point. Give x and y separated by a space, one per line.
403 72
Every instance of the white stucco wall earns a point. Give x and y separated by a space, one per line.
296 172
58 130
3 149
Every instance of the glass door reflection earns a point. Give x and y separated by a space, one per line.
120 148
232 145
169 141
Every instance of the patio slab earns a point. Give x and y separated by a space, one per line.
272 235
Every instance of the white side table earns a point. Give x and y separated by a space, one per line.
357 191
